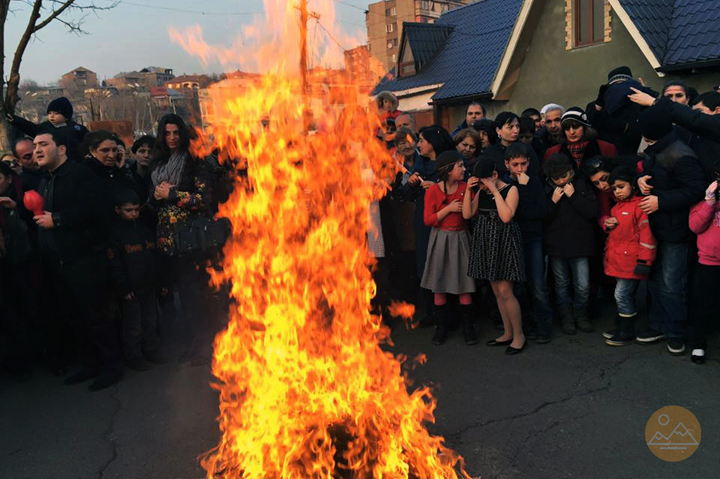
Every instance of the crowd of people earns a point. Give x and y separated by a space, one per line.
541 215
536 216
92 253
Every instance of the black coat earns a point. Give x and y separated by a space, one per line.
569 225
497 153
532 208
74 198
617 122
133 257
706 129
73 133
30 179
679 182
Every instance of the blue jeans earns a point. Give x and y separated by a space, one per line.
580 279
668 287
536 285
625 292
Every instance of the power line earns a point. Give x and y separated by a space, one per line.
182 10
331 36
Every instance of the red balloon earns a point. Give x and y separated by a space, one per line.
34 202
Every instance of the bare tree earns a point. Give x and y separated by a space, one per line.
71 13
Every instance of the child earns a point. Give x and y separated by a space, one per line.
530 215
705 222
496 254
448 249
59 112
133 262
629 251
569 239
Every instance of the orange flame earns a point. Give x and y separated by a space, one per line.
305 389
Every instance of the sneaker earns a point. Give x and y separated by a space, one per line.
650 336
611 333
698 356
675 346
620 340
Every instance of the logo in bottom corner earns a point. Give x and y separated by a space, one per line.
673 433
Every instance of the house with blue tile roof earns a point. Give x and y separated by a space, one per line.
514 54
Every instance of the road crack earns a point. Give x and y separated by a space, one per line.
108 433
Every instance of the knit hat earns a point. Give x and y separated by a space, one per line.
655 123
576 113
61 105
438 137
619 74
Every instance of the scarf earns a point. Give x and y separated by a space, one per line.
576 150
170 171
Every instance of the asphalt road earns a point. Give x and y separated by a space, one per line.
574 408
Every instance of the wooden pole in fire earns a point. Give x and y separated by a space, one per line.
307 111
303 46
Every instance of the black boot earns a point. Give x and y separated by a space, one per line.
568 320
627 332
441 331
469 334
614 331
426 301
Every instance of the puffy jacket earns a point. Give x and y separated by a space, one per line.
630 241
705 222
73 133
679 182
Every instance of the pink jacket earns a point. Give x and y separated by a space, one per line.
705 223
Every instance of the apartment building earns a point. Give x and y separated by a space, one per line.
384 21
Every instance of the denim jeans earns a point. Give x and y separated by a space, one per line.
668 287
562 268
625 292
535 290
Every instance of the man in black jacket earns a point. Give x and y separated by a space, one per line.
31 173
702 120
673 182
73 253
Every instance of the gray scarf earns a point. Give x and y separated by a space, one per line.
170 171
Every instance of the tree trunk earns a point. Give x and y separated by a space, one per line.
6 132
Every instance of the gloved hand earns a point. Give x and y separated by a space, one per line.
642 269
600 100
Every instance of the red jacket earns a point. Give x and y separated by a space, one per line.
631 240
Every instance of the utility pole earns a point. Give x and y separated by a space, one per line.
304 16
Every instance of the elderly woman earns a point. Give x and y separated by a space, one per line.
578 139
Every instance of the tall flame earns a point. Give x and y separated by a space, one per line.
305 389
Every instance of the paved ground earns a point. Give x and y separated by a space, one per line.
574 408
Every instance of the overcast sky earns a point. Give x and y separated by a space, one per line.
135 35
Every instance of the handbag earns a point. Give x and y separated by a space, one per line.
200 236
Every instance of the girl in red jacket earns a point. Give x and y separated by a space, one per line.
629 251
705 222
446 266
